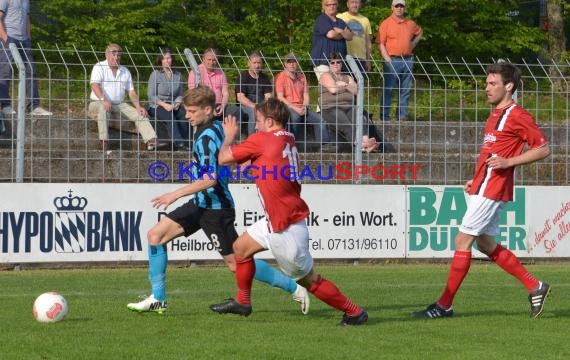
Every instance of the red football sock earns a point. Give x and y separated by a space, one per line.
245 271
327 292
511 264
457 272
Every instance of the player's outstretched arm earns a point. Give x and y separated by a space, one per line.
231 129
165 200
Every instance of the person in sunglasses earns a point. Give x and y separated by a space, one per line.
337 102
292 88
109 82
397 38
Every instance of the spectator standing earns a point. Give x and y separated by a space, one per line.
292 89
213 77
253 87
329 35
15 29
109 81
165 95
360 47
397 38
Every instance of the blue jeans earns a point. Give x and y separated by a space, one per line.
6 63
397 73
248 114
319 127
228 110
178 126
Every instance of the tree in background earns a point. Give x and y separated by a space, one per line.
94 23
557 39
456 29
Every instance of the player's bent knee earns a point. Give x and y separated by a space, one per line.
463 242
153 237
240 250
308 280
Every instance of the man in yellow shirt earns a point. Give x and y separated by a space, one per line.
360 47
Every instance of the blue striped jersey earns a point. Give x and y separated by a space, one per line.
208 142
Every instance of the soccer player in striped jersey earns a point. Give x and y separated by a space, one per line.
508 129
283 229
211 209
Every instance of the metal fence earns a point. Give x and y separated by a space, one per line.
437 145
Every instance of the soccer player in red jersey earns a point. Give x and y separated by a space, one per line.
508 129
283 230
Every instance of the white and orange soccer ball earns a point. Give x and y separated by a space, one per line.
50 307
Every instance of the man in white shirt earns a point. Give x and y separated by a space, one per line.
109 82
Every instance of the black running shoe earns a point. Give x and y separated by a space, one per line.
433 311
359 319
231 306
537 299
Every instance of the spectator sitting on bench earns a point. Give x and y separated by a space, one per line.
337 101
291 88
253 87
109 81
165 96
212 76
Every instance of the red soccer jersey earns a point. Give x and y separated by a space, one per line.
506 132
273 154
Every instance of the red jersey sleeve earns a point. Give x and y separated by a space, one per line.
529 131
250 149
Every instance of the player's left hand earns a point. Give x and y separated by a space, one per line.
231 127
163 200
497 162
467 186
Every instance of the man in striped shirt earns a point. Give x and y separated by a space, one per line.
211 209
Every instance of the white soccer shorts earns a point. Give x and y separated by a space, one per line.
290 247
482 216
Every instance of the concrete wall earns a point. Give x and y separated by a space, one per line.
66 149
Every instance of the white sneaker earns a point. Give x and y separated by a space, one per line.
40 111
301 295
148 304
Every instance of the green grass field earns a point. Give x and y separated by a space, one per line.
491 320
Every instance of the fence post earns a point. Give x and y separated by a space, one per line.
21 132
193 64
359 110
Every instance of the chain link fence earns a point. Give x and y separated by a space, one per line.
438 144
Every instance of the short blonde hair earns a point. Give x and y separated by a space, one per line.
201 96
323 3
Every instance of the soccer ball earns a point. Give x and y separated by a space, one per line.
50 307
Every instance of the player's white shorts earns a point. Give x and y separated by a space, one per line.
482 216
290 247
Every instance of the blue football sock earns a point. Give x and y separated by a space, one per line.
157 260
269 275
